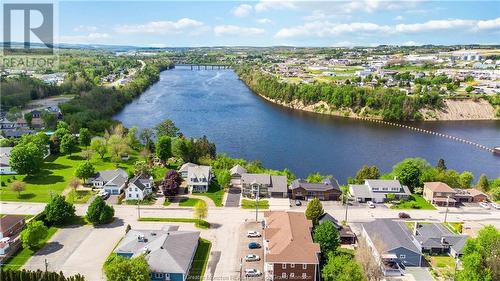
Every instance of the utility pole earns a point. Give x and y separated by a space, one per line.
46 266
447 204
241 269
346 206
257 203
138 209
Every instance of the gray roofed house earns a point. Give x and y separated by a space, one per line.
268 185
184 169
238 170
169 252
326 190
139 187
377 190
345 231
112 181
5 168
199 178
436 238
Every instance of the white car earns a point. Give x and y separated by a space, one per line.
495 205
370 204
252 272
485 205
253 234
103 193
252 257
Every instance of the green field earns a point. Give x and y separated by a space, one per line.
55 175
215 192
200 261
79 196
251 204
414 202
444 266
198 223
189 202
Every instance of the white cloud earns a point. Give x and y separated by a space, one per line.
325 29
87 28
264 21
84 39
161 27
224 30
410 43
265 5
344 44
434 25
489 24
399 18
242 10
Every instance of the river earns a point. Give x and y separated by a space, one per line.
217 104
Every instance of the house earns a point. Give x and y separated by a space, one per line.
266 184
5 168
198 178
10 228
139 187
393 245
347 236
289 251
184 169
377 190
439 193
112 181
236 172
327 190
471 195
169 252
435 238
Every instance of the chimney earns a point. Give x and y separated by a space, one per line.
415 226
443 241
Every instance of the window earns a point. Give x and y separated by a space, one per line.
136 189
283 266
130 189
129 195
304 266
136 195
384 188
402 257
292 265
292 275
375 188
158 275
283 275
304 275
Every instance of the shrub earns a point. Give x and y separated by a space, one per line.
58 211
99 212
33 233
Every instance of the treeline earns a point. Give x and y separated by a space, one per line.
18 91
28 275
93 109
389 103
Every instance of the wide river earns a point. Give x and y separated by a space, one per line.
217 104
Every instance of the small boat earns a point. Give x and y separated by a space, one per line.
496 150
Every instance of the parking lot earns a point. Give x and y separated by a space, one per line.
243 249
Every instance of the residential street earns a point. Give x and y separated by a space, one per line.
84 249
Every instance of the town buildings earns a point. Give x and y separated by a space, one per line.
10 228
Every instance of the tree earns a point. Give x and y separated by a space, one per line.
183 148
99 146
481 256
410 176
85 170
132 139
390 196
483 183
69 144
171 183
49 120
74 183
18 186
200 211
29 118
167 128
164 148
341 268
99 212
58 211
469 89
146 137
87 154
223 178
61 132
127 269
117 146
142 168
84 137
364 256
26 159
33 234
327 236
465 179
367 172
317 178
441 166
314 210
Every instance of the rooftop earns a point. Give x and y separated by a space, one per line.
438 187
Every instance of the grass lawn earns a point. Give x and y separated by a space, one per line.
24 254
443 265
200 261
198 223
79 196
189 202
414 202
215 192
455 227
250 204
166 202
56 172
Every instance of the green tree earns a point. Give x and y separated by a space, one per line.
132 139
99 212
481 256
49 120
164 148
342 268
327 236
29 118
483 183
69 144
317 177
410 176
142 168
85 170
124 269
18 186
390 196
58 211
167 128
367 172
441 165
117 146
223 178
84 137
26 159
465 179
469 89
33 234
99 146
314 210
200 211
183 149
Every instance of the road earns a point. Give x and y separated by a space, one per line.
84 249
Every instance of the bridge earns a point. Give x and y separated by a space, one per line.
205 66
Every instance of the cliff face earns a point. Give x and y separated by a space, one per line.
466 109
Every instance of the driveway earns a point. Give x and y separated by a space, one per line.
233 197
418 274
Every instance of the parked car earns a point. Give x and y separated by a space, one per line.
252 257
495 205
104 194
252 272
298 203
253 245
403 215
370 204
253 234
485 205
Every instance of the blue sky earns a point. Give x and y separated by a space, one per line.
269 23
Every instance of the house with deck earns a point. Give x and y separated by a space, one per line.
377 190
435 238
329 189
112 181
267 185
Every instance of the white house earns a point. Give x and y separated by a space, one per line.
5 168
139 187
112 181
377 190
198 178
184 169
